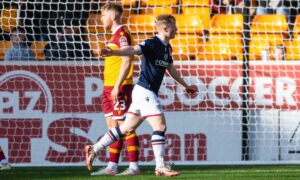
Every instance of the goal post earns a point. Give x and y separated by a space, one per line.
245 67
246 80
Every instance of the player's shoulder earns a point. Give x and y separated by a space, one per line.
123 31
151 40
122 37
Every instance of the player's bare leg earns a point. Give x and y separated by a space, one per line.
131 122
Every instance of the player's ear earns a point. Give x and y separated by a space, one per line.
166 28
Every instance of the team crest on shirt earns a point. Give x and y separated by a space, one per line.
123 41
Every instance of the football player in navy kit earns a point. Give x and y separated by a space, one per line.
156 59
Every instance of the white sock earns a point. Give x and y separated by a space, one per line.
158 145
110 137
134 166
100 144
112 165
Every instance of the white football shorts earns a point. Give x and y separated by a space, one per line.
145 103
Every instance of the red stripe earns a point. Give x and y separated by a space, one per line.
144 117
133 113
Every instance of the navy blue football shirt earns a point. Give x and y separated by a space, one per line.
156 57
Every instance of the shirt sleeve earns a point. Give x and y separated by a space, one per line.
146 46
123 39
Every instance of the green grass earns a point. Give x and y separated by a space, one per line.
227 172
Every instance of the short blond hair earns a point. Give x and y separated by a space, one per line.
166 19
113 6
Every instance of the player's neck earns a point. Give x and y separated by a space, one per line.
163 38
115 26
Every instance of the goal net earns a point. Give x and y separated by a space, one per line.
244 64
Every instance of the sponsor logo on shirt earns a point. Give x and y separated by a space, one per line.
161 63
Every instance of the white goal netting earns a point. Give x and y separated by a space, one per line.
243 62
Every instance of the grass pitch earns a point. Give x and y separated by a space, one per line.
227 172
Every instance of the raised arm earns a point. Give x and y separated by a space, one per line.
175 75
124 51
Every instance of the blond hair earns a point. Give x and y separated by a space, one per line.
113 6
164 19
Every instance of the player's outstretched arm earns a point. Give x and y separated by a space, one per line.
175 75
124 51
